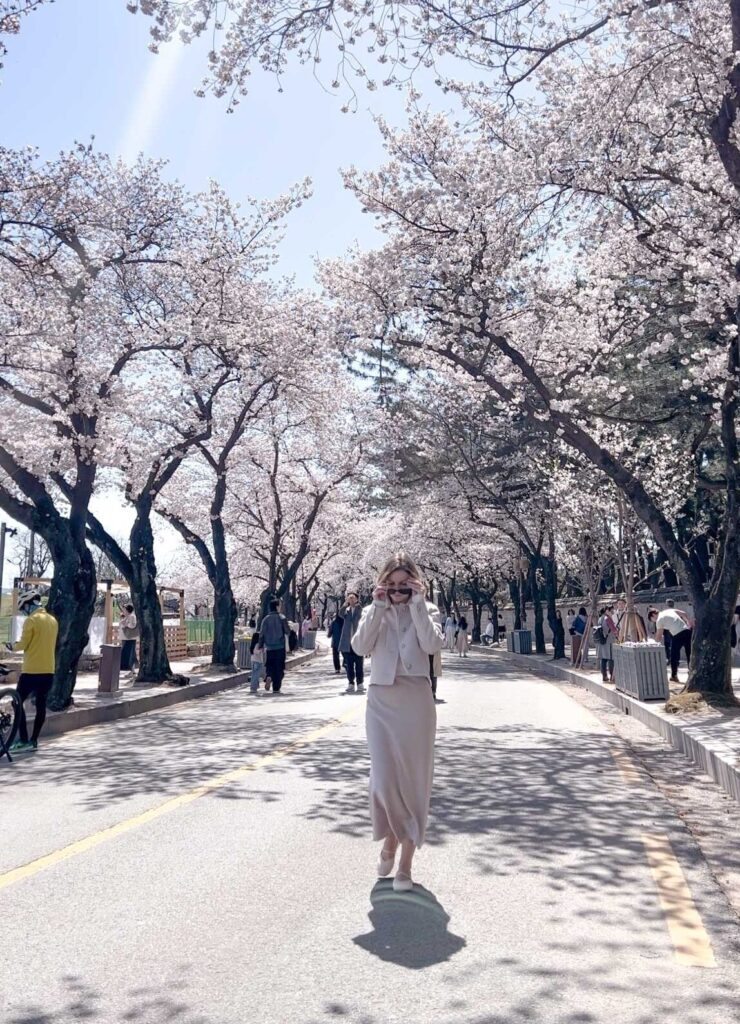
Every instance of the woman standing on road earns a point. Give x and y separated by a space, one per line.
461 640
400 630
606 636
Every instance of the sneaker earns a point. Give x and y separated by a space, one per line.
268 683
350 688
360 688
23 745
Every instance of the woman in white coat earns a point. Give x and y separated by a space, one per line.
400 629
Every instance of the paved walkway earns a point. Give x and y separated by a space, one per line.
210 864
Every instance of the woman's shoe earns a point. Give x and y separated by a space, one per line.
385 864
402 882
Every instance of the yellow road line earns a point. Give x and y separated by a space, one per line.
691 943
174 803
627 767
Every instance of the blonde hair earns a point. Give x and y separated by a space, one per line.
399 561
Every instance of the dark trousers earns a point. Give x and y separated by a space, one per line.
39 685
128 655
432 677
667 643
680 642
275 667
354 666
335 656
607 665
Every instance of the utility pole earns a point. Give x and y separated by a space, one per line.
9 531
31 553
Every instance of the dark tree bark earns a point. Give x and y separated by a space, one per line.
534 588
516 601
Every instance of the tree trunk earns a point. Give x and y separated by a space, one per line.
515 597
154 664
710 668
539 632
551 589
477 609
224 623
72 602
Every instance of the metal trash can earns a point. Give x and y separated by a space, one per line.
109 672
522 639
309 640
510 641
243 654
640 670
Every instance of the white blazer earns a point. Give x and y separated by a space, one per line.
395 654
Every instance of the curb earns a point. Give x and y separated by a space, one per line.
720 762
112 710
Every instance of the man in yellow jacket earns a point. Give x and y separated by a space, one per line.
38 643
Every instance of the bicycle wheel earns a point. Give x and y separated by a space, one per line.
9 708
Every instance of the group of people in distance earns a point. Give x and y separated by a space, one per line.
456 635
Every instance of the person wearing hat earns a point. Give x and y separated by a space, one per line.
38 643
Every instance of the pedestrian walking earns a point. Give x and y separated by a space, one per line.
461 637
577 634
335 632
450 630
400 629
274 629
651 628
130 634
558 637
354 664
489 635
619 613
677 624
569 616
605 636
435 671
257 662
38 643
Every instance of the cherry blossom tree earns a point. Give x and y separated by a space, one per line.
555 250
84 246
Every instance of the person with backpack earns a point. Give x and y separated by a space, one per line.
38 643
577 633
273 630
605 635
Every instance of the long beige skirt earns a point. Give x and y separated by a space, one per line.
401 722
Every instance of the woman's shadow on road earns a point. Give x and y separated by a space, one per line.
409 928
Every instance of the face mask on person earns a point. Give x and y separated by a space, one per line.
30 608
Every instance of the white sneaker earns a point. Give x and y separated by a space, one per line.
402 882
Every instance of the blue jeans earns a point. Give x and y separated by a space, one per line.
254 682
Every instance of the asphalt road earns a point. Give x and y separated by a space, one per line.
211 864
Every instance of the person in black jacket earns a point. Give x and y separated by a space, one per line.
335 633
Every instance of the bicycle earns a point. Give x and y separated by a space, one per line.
10 707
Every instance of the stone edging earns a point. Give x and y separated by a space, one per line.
113 709
692 738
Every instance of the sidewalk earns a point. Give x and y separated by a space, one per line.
93 708
710 738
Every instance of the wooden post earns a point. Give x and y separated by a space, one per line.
182 607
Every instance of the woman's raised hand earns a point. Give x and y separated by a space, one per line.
379 594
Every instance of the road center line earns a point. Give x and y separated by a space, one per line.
627 767
174 803
691 942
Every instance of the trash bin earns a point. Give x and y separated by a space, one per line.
640 670
309 640
522 641
243 654
510 642
110 668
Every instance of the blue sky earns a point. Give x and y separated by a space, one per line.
82 68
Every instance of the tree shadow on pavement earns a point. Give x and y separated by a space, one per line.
145 1004
409 928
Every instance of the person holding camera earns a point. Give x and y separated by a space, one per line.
400 630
